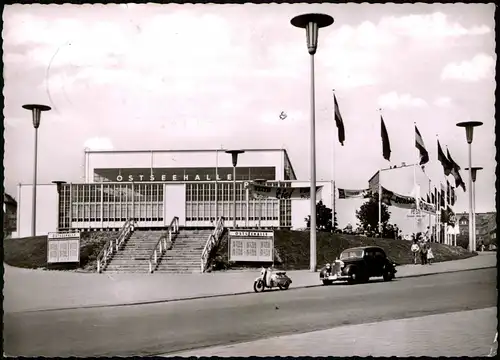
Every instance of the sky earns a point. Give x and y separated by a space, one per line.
209 76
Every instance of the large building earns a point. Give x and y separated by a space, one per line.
154 186
9 214
485 226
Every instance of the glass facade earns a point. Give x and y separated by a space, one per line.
207 201
109 205
103 205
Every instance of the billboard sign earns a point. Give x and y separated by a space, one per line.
251 245
63 247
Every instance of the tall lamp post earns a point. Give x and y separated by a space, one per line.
469 132
312 22
234 154
36 111
474 171
58 183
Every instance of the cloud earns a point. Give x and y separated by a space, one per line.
429 26
480 67
394 100
443 101
98 143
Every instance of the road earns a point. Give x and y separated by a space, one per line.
176 326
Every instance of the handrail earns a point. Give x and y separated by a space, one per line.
114 244
157 252
212 241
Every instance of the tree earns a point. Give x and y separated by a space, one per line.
323 218
368 215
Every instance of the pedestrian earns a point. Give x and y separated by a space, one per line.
415 249
430 255
423 252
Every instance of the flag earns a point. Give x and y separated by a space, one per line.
339 121
455 171
433 197
386 146
353 194
447 166
428 199
453 196
448 191
442 196
419 143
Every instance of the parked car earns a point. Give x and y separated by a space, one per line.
358 265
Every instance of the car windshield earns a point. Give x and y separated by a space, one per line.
351 254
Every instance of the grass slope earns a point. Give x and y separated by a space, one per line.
31 252
292 250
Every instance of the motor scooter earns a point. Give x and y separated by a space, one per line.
269 279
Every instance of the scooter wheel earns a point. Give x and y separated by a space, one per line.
258 286
284 286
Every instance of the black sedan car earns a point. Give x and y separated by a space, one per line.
358 265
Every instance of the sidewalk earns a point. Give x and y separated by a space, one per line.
465 333
28 290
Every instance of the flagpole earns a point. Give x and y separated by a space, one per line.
216 187
333 164
380 191
333 210
417 195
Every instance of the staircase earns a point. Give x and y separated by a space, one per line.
185 255
134 256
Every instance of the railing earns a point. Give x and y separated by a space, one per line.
161 245
212 241
114 245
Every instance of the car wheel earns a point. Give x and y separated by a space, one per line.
354 279
388 276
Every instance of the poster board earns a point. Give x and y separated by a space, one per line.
63 247
251 245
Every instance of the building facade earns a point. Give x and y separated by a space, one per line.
9 214
197 186
485 226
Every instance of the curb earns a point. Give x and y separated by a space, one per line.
150 302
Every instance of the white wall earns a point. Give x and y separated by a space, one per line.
46 209
175 203
174 159
401 181
301 208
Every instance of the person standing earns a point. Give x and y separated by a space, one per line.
423 252
430 255
415 249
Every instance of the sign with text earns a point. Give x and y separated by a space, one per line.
279 192
251 245
185 174
414 213
63 247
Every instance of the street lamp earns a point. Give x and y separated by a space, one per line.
234 154
36 111
58 183
474 175
312 22
469 132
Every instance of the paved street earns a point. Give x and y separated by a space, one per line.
57 289
464 333
177 326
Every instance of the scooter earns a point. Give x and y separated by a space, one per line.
269 279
